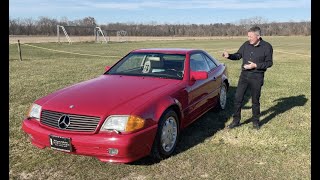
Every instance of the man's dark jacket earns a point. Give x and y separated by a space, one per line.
260 54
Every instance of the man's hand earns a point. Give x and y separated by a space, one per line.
251 65
225 54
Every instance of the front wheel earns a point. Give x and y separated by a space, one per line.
167 136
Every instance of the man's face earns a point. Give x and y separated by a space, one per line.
253 38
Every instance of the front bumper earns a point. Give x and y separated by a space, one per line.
130 146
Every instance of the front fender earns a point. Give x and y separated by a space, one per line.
165 104
155 109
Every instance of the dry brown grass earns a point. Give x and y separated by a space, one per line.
42 39
206 149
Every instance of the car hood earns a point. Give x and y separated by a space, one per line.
101 95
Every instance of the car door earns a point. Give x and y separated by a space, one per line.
216 76
201 94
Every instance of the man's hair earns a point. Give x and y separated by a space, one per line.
256 30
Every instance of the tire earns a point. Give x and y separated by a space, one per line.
222 97
167 136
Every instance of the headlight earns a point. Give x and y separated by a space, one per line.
35 111
122 123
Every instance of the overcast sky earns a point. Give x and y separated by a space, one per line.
161 12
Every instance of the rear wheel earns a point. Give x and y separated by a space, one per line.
223 96
167 136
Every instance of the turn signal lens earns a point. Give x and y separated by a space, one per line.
134 123
122 123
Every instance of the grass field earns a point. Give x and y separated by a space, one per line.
281 149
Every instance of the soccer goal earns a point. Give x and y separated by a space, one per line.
122 36
99 35
80 34
65 33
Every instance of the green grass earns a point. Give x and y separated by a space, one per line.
206 150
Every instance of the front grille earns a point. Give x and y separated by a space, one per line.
77 122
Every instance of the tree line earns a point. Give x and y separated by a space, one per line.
84 27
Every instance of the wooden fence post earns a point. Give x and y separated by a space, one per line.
19 50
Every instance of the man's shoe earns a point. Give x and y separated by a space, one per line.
233 125
256 125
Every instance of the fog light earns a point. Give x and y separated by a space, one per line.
113 151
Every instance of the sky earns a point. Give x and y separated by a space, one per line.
164 11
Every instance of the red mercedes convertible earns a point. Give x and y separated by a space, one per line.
136 108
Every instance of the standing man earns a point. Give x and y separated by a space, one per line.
257 57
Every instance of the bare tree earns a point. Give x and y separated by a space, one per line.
47 26
13 26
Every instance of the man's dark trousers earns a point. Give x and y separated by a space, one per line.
253 81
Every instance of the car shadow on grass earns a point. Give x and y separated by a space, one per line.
201 129
213 121
283 104
208 124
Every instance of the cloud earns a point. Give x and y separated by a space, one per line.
198 4
163 4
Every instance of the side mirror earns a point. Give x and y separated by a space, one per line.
198 75
107 68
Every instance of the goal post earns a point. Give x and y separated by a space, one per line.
98 33
76 33
65 33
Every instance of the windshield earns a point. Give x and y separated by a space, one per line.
150 64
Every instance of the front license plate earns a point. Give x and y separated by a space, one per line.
60 143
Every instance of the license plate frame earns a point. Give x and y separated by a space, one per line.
60 143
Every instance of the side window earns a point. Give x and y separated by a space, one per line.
211 64
198 63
